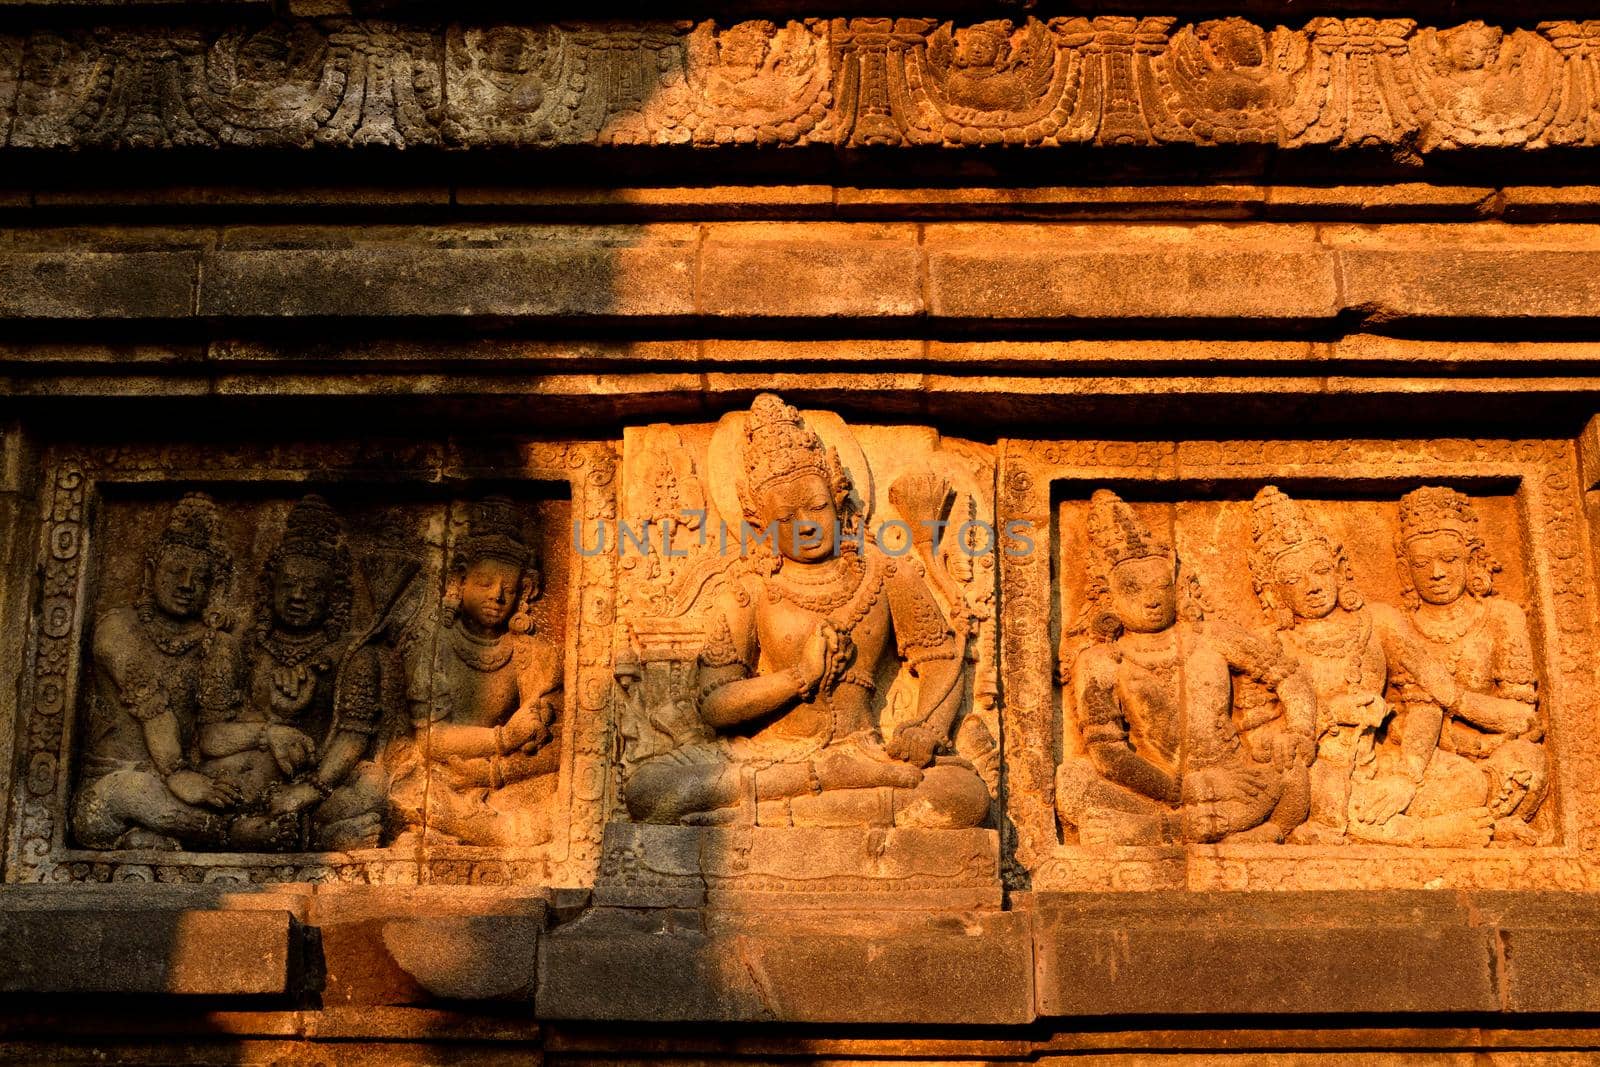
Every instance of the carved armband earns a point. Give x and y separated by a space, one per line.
144 698
719 650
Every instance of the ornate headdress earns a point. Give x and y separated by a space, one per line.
1117 534
194 524
1278 525
312 531
494 531
778 445
1438 509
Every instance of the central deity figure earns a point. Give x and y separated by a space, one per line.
793 657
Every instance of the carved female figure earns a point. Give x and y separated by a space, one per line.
1377 776
486 702
1483 641
793 659
158 667
291 742
1153 698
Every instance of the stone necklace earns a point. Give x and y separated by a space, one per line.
484 655
1345 645
167 637
293 651
832 591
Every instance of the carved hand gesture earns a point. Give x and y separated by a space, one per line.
817 657
1383 800
290 748
192 787
528 725
292 690
916 745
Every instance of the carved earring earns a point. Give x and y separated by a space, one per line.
450 603
522 621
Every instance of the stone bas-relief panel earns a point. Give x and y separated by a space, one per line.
805 639
1332 666
1103 80
284 677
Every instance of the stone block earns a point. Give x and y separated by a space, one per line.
1265 954
845 966
1054 278
426 944
786 272
1476 283
560 279
97 285
1551 968
93 950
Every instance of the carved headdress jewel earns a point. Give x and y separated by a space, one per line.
1117 534
312 532
494 531
194 524
1437 509
778 445
1278 526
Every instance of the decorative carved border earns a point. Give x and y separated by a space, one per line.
37 848
1549 502
1108 80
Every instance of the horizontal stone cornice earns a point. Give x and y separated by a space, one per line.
1393 84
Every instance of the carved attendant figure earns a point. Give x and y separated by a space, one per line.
1154 702
793 660
486 704
1376 777
1483 641
158 667
297 663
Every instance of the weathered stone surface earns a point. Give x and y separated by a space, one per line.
1025 273
1165 953
98 950
836 966
789 271
582 280
1497 283
82 285
418 946
798 867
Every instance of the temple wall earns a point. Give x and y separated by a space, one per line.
941 533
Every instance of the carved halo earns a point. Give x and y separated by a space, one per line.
724 465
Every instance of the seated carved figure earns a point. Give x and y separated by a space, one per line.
1483 641
1377 776
159 666
291 741
485 702
1153 697
792 662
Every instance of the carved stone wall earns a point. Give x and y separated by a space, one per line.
1107 80
1073 531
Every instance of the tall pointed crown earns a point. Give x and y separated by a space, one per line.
779 445
494 531
1117 534
1277 525
312 531
1437 509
